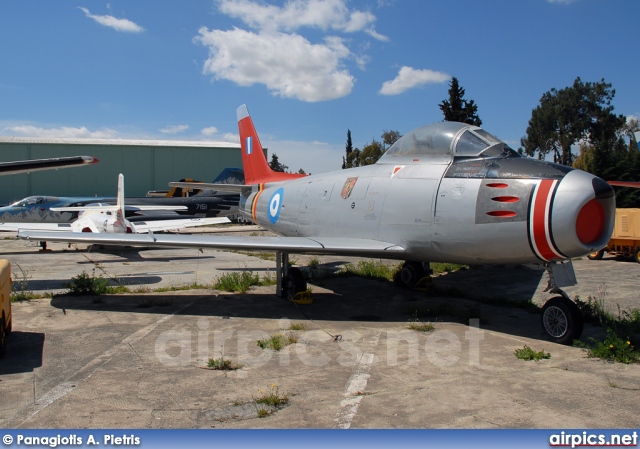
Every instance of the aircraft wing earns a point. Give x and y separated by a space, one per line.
113 208
50 227
143 227
14 167
231 188
306 245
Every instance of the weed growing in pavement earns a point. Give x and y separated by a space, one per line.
270 401
84 285
298 327
613 348
371 269
222 364
527 353
277 342
19 287
237 281
623 331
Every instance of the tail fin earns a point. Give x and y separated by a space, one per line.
256 168
120 198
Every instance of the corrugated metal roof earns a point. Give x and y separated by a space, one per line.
121 142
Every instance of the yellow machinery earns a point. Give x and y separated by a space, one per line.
625 240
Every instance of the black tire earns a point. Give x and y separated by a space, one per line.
410 274
636 256
596 255
561 320
294 283
3 337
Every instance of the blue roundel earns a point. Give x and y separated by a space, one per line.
275 204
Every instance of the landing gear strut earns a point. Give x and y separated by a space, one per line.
561 319
290 279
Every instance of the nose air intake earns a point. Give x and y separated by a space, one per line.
583 214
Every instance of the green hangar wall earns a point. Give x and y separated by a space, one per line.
145 164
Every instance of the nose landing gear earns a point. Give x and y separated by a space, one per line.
561 319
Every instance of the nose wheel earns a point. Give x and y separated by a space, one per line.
561 319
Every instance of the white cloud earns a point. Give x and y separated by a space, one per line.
288 64
408 78
231 137
63 132
323 14
123 25
174 129
210 131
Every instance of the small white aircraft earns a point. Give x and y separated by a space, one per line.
107 218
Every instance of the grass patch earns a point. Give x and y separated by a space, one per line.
237 281
613 348
177 288
277 342
298 327
371 269
443 267
19 287
420 326
85 285
272 398
222 364
623 331
527 353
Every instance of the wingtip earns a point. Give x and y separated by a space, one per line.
242 112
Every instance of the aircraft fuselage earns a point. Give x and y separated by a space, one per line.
503 209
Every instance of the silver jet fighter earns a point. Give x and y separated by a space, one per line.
446 192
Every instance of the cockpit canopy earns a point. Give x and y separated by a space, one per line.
445 140
30 201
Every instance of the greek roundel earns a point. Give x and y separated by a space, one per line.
275 204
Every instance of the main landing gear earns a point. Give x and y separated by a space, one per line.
290 279
561 319
412 273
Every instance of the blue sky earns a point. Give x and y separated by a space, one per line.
308 70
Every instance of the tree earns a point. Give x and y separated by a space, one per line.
372 152
276 165
457 109
617 160
566 117
347 161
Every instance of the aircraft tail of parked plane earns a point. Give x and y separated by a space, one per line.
256 168
107 218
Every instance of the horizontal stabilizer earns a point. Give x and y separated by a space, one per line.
229 188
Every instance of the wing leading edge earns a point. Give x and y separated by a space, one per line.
15 167
307 245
